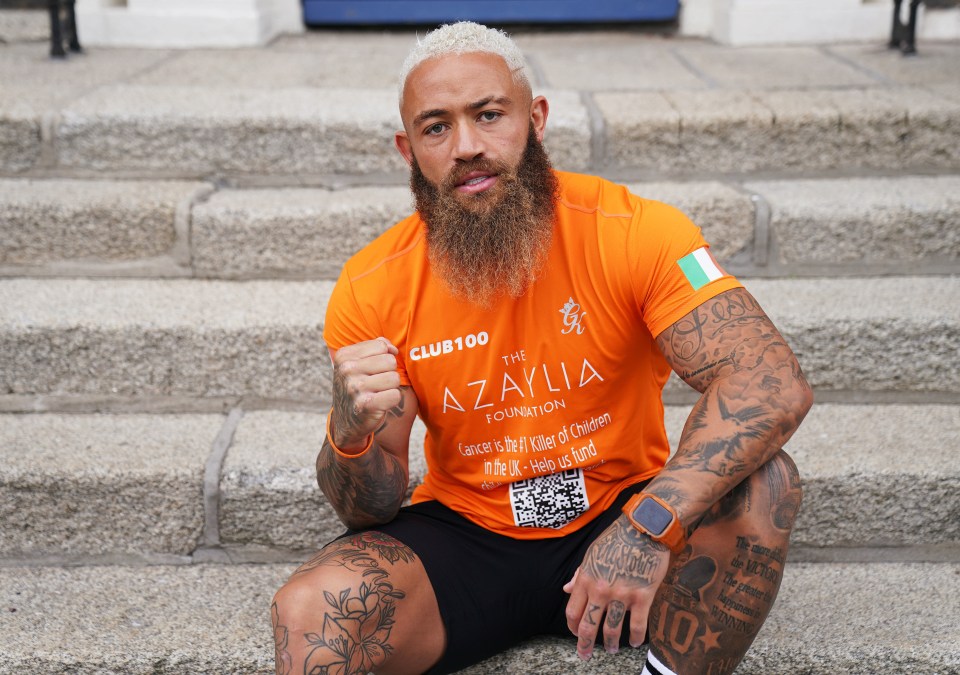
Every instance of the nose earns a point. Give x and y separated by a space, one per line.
468 143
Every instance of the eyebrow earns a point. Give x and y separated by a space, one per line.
440 112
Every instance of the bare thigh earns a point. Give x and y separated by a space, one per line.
721 588
362 604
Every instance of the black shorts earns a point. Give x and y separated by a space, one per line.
494 591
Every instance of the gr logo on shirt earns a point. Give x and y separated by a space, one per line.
441 347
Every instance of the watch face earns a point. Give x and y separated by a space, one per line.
652 516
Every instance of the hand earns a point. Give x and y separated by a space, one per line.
366 386
620 573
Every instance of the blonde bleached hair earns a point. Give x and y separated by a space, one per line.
466 37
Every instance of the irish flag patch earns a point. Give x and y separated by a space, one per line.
700 268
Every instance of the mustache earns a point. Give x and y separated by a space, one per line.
479 165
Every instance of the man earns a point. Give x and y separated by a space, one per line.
530 318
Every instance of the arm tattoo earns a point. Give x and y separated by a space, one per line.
344 411
754 396
701 345
396 412
365 490
345 414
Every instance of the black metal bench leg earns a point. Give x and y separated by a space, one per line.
74 41
910 44
897 29
56 35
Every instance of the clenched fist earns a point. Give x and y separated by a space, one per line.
366 386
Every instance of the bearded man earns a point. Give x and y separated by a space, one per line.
531 317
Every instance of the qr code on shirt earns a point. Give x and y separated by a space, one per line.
549 501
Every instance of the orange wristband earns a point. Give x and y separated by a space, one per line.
341 452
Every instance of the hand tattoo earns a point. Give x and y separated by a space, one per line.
622 554
615 613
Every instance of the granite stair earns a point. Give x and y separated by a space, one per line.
171 225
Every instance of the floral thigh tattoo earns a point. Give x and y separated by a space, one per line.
353 637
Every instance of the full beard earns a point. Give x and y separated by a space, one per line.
493 243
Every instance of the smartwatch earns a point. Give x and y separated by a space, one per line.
656 519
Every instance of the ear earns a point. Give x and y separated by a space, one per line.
539 109
402 143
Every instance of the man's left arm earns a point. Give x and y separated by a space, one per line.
753 397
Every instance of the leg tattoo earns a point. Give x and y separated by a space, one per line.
356 628
353 635
718 593
280 636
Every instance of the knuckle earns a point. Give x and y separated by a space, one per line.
352 387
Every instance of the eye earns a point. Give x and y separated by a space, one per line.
433 129
489 115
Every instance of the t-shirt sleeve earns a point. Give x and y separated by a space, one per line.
674 270
347 322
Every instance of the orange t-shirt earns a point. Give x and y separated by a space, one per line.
539 409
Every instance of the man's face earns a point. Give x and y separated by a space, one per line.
484 189
459 109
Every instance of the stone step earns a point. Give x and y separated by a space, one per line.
296 132
102 485
863 224
856 461
296 232
135 338
879 225
216 619
106 225
75 340
307 106
79 487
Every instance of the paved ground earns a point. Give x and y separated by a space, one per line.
692 72
593 60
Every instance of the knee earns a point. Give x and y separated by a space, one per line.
283 609
297 614
289 615
291 602
780 479
297 600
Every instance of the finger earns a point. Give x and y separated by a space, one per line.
369 365
351 382
613 626
638 624
575 607
375 405
587 629
362 386
361 350
372 365
568 587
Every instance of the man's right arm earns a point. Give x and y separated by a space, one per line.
365 476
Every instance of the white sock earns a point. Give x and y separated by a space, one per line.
653 666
